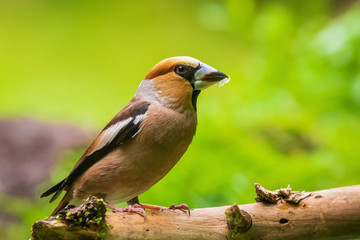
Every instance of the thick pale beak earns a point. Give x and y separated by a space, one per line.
207 76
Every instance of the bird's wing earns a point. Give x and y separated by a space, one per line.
124 126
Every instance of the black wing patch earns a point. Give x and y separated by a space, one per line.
132 114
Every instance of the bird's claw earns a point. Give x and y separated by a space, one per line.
182 207
136 208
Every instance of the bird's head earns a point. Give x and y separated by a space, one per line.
177 81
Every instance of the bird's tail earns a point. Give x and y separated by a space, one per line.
63 203
57 189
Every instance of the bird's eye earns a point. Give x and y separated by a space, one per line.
180 69
185 71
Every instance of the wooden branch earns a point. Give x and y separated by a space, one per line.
326 214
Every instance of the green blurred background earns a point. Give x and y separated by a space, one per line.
290 114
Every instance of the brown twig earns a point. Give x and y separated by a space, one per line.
326 214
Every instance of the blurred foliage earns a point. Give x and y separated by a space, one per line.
290 114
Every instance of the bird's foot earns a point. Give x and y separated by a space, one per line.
183 207
135 208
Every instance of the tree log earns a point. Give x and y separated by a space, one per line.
325 214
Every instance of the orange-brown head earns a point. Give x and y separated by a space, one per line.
177 81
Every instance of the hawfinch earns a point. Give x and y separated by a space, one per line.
144 141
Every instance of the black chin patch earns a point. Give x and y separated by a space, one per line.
195 95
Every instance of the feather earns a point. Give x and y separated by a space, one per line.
124 126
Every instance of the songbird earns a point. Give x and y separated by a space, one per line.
144 141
